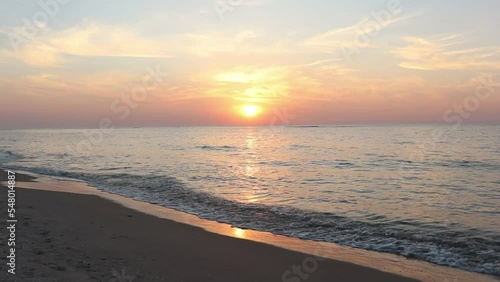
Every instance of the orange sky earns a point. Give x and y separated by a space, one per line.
196 63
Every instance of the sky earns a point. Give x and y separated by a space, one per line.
89 64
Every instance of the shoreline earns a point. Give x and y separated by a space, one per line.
279 253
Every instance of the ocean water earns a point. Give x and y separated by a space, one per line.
425 192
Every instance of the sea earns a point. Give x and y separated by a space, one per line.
426 192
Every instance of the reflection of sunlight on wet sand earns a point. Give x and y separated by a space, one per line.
240 233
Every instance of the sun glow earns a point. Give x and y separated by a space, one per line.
250 110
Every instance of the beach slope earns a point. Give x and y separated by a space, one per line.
71 237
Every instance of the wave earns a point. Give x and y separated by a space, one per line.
469 164
218 148
470 249
6 156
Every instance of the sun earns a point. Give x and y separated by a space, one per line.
250 110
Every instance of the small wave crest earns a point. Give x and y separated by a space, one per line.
470 164
7 156
218 148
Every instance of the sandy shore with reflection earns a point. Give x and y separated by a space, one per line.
81 234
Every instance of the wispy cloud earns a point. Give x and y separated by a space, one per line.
261 85
36 54
91 39
446 53
353 36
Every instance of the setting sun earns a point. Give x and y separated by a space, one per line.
250 110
